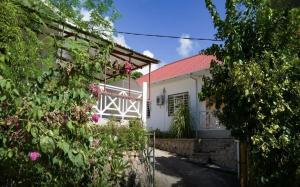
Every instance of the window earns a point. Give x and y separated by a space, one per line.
174 101
148 108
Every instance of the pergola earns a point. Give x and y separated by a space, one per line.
113 101
119 54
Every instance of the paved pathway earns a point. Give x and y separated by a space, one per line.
173 171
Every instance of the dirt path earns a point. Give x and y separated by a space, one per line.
175 171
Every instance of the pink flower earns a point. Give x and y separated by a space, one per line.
95 118
95 90
128 67
34 155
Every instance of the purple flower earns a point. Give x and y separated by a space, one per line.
95 118
34 155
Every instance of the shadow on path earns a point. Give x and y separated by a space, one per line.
174 171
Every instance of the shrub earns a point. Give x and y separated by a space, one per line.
181 124
91 154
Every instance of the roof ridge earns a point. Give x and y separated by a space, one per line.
184 59
174 63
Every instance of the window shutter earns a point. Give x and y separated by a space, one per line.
170 105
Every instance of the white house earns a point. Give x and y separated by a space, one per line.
176 83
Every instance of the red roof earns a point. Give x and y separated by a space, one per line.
178 68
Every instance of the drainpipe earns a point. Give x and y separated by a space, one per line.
197 106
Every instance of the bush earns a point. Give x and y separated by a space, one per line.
180 125
91 154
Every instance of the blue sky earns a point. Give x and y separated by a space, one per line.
166 17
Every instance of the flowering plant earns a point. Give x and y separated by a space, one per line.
47 137
127 67
34 155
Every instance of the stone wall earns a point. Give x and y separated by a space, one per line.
220 151
182 147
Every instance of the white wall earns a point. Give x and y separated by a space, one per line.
159 114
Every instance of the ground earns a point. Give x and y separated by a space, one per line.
172 171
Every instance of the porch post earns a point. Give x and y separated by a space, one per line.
144 108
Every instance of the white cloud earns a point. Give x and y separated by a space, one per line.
120 39
186 46
86 14
145 69
148 53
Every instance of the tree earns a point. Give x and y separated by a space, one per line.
256 88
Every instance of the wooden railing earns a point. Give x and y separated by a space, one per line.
120 103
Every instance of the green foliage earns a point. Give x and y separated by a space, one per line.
257 87
45 103
181 124
136 74
160 134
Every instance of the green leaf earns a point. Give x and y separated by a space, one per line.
34 131
10 154
3 98
47 144
57 161
16 92
70 126
64 146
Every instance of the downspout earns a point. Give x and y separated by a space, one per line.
197 107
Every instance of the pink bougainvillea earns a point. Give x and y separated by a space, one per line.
128 67
95 118
34 155
95 90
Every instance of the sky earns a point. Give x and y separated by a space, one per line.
185 18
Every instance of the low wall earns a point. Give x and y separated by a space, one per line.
221 151
182 147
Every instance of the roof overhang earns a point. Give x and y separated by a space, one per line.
122 54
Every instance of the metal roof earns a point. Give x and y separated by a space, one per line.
181 67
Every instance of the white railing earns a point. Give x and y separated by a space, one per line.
209 121
119 102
